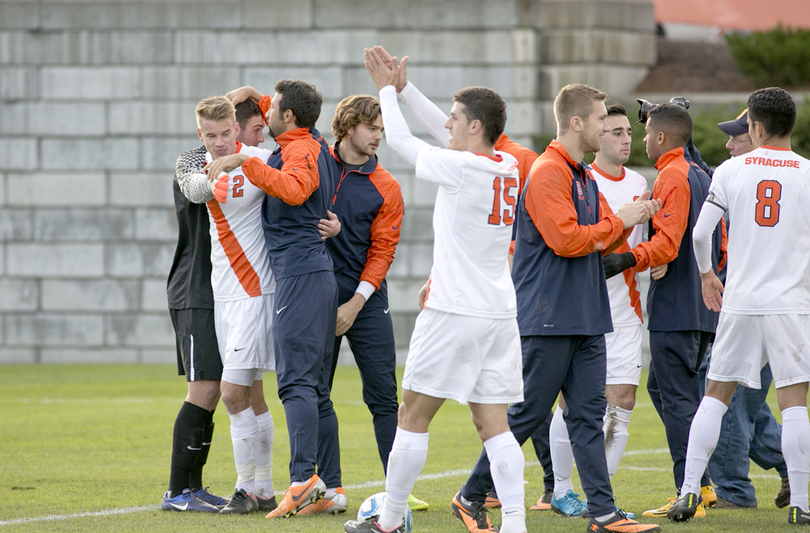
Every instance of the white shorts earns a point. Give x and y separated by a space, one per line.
242 376
244 333
465 358
624 355
744 343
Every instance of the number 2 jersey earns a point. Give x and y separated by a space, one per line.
239 259
475 208
766 193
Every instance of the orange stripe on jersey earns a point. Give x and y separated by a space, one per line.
233 251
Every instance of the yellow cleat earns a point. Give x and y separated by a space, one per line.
661 512
708 495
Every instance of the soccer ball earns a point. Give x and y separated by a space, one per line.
370 510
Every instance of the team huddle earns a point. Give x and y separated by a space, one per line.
532 299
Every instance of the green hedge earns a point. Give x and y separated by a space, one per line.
779 57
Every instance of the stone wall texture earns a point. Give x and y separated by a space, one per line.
97 101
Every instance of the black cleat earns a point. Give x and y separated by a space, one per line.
684 508
798 517
241 503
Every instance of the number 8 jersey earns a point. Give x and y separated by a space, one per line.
472 224
239 259
766 194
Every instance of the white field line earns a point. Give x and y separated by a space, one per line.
366 485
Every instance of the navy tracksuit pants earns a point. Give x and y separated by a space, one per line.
674 388
575 365
371 339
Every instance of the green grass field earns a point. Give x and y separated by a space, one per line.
87 448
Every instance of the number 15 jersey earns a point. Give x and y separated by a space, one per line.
766 193
472 219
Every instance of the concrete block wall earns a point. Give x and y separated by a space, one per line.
97 100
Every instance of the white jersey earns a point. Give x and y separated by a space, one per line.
625 306
475 208
239 259
766 194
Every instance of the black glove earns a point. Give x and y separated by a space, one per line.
617 263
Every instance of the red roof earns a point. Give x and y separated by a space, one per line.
759 15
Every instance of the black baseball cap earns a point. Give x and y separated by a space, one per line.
738 126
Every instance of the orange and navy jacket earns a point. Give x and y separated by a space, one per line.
675 303
564 227
299 181
368 203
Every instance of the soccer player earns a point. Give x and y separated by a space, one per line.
564 228
243 287
191 305
619 185
749 429
765 304
299 183
465 343
681 328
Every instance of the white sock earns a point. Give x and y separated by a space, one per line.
562 457
243 435
617 420
405 462
506 466
796 451
703 436
264 456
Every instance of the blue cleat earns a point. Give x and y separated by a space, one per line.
569 505
186 501
203 494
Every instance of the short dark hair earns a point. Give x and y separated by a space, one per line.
247 110
775 109
673 120
481 103
616 109
303 99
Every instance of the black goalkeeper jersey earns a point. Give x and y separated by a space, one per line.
189 283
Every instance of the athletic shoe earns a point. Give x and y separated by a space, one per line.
267 504
416 504
722 503
544 503
296 498
584 513
661 512
186 501
783 496
707 496
329 504
797 516
684 508
619 523
492 501
473 514
241 503
569 505
207 497
370 526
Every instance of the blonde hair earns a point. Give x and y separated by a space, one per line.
575 100
354 110
215 108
